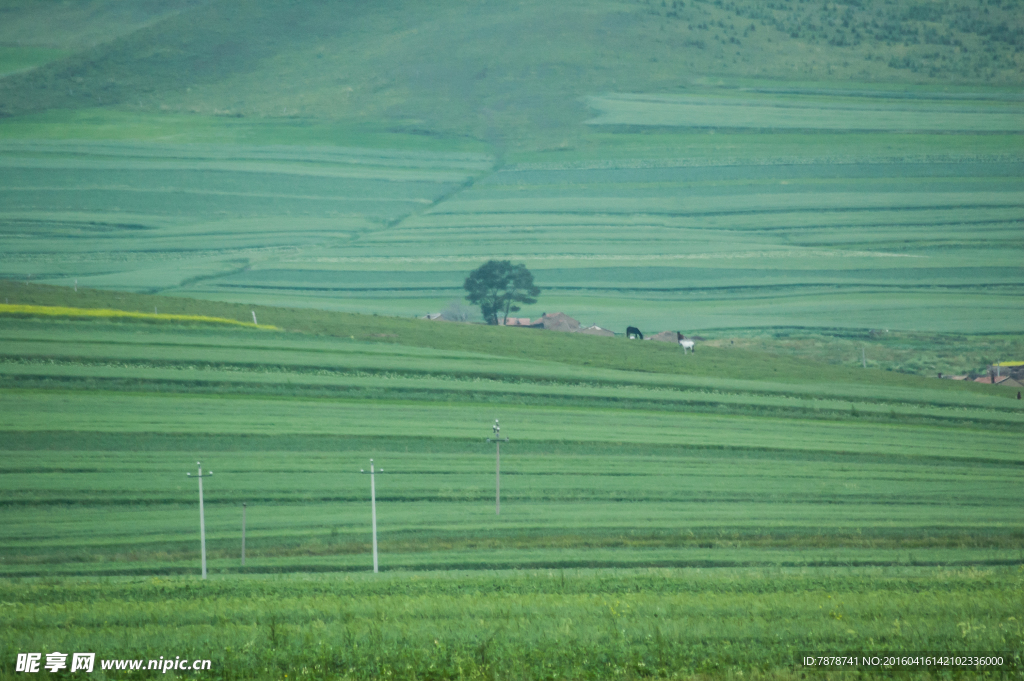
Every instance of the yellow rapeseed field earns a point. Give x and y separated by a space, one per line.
53 311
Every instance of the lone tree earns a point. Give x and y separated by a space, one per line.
497 285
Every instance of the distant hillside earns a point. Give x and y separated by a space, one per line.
677 164
486 69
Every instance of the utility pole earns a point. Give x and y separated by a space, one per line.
202 520
254 318
243 534
863 358
373 511
497 466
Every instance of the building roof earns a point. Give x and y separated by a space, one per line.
596 330
557 321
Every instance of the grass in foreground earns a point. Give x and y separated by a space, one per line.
627 624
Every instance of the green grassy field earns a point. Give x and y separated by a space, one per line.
697 245
721 455
667 524
566 624
663 515
803 184
787 347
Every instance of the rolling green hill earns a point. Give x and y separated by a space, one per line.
706 167
623 453
773 358
661 513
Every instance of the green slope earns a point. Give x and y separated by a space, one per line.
622 453
714 360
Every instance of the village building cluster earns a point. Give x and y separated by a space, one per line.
1007 374
559 321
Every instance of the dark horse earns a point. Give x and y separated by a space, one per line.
633 331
